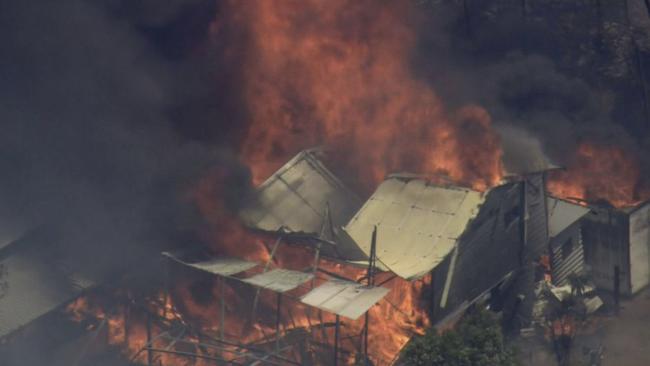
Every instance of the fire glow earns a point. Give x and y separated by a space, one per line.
600 172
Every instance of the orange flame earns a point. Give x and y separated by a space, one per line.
598 172
337 73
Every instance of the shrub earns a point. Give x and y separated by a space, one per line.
476 341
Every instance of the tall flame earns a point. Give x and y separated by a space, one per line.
337 73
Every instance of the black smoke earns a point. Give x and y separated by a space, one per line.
110 111
561 72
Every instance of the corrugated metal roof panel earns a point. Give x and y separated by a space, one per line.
417 223
218 266
561 214
295 198
34 288
279 280
348 299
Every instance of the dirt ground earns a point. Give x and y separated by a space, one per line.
624 338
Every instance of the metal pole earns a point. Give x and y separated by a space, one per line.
266 268
432 295
126 322
222 320
166 286
149 352
277 323
336 341
617 288
371 282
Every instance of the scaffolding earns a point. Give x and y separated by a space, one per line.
338 296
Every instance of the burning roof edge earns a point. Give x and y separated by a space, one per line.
633 208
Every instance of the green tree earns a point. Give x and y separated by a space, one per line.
476 341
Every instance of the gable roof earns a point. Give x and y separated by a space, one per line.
418 224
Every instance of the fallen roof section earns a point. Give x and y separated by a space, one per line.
279 280
218 266
34 288
418 224
348 299
562 214
301 197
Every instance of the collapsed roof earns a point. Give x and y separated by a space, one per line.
418 224
36 286
303 198
471 241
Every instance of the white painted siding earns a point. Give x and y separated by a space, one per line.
639 242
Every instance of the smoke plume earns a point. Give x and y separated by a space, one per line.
109 116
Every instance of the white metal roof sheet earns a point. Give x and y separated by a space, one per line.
562 214
218 266
418 224
279 280
296 197
348 299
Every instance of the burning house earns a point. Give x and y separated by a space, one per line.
465 244
342 277
446 233
338 278
295 261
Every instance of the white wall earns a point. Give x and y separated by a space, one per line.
639 242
